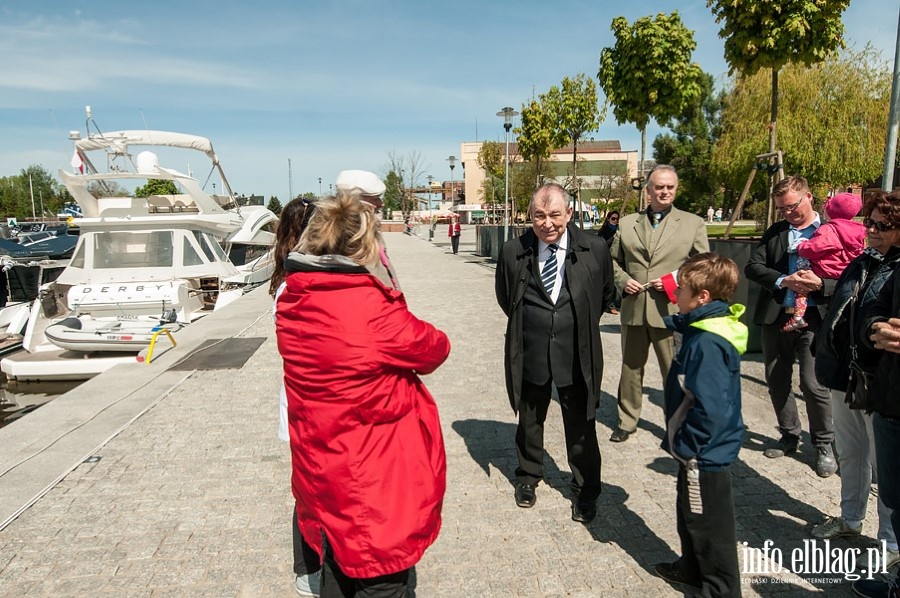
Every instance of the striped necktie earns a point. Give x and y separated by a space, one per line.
548 275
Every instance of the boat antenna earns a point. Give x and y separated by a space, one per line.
89 118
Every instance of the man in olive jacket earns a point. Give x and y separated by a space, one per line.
649 245
554 283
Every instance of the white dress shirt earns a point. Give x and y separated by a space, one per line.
544 253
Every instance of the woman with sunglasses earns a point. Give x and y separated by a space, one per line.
608 232
856 290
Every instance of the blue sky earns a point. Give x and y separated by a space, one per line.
328 85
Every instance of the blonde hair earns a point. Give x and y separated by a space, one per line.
342 225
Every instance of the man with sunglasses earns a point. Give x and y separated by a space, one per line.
774 268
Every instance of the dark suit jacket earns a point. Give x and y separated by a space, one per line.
767 264
590 282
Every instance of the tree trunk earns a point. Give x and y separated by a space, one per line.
641 168
770 206
575 182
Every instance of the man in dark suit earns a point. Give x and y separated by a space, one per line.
774 268
554 283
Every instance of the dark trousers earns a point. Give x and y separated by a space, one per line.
306 560
581 437
887 449
781 350
708 539
454 242
335 584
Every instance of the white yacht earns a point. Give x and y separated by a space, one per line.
143 266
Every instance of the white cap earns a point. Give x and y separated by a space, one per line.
359 182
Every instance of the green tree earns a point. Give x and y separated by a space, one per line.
689 148
156 187
573 111
835 132
274 205
769 34
491 158
392 194
649 73
534 138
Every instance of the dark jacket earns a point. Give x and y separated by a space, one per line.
607 232
703 389
767 263
589 278
834 337
885 388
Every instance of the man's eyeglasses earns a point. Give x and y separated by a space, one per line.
881 227
790 208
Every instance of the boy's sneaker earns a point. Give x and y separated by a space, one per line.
876 589
834 527
672 573
795 324
307 585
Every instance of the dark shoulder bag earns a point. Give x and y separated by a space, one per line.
857 396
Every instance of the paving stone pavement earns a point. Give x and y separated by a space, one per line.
193 497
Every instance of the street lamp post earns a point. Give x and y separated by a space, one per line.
320 186
452 160
507 113
431 219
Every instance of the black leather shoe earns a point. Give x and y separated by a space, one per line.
584 512
525 496
781 448
672 573
620 435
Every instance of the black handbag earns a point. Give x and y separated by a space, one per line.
857 396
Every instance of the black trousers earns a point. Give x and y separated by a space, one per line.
335 584
781 350
454 242
708 539
306 560
582 449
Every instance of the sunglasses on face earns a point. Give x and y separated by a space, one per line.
881 227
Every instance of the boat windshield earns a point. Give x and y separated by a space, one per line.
150 249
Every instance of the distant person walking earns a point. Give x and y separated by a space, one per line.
553 283
650 245
710 214
454 232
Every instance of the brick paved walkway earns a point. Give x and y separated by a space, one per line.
192 497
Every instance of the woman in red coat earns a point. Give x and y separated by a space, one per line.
369 470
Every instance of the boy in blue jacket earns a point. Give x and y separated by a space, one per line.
704 424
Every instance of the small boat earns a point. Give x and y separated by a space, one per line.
107 334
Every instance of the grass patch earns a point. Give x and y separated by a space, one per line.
717 231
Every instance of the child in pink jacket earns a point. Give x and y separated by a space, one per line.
834 245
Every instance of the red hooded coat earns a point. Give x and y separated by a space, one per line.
369 469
